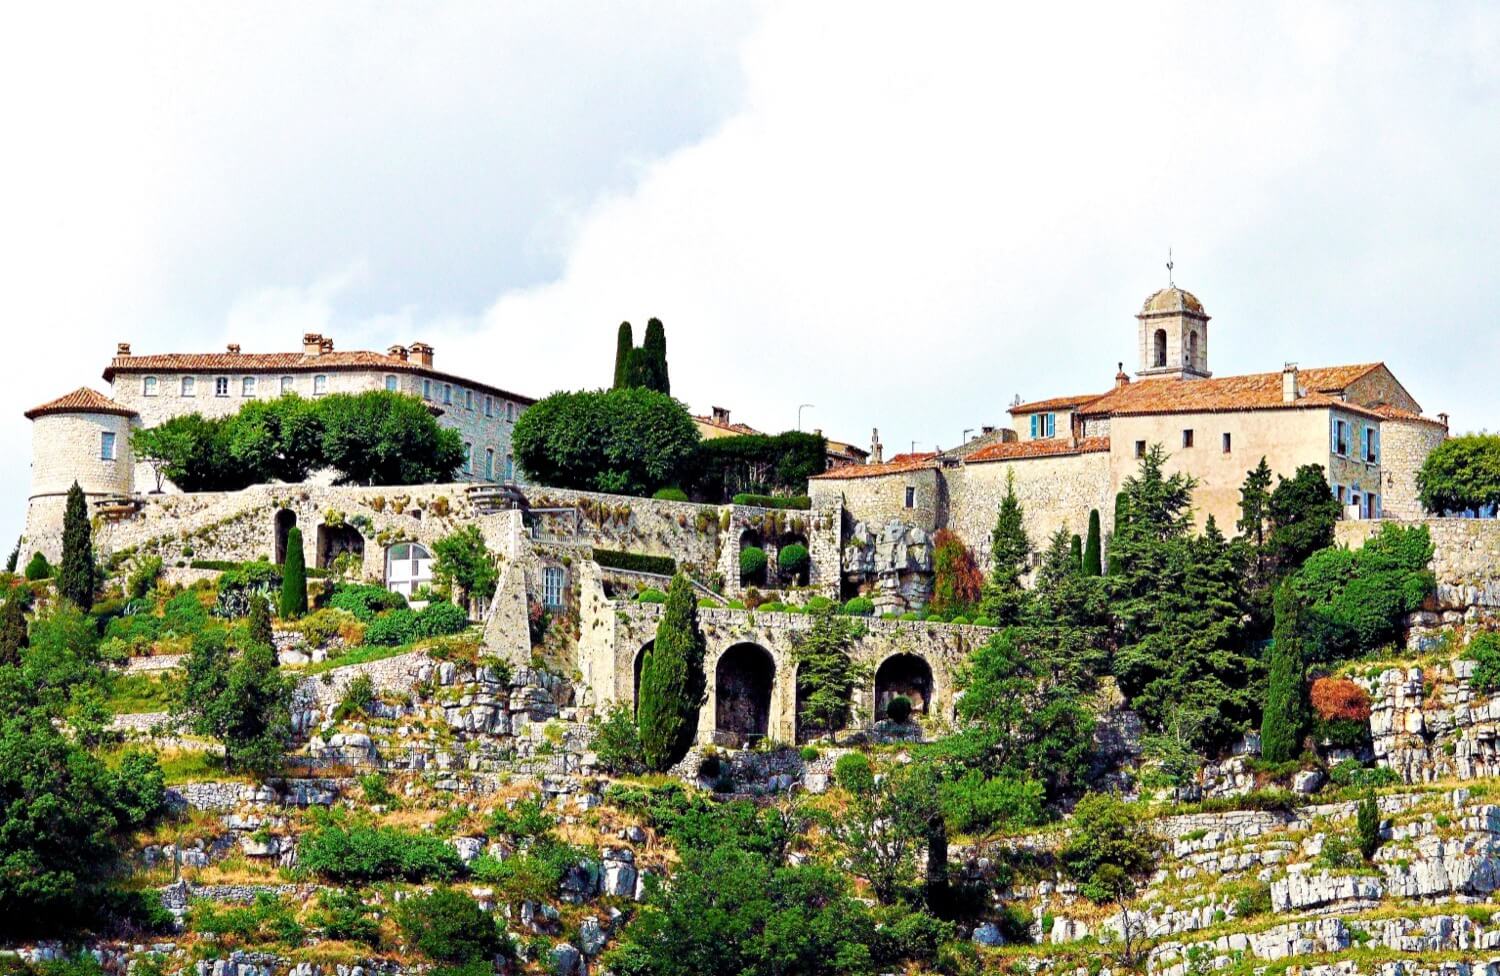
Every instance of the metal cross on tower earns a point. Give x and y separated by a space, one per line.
1170 282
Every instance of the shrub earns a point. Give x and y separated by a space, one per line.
1340 698
448 926
627 441
640 563
1367 826
819 604
898 709
860 606
143 577
365 853
38 568
810 753
183 614
960 619
854 773
752 562
357 698
365 600
1351 772
956 579
670 494
1484 651
392 628
651 595
440 619
983 621
617 742
794 559
798 502
321 626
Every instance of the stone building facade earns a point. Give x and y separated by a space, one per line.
82 437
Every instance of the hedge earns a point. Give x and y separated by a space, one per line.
636 562
229 565
774 501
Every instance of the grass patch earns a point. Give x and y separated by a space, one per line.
135 693
194 766
358 655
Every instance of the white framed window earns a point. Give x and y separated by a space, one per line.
247 386
148 386
510 411
320 384
489 406
221 386
189 386
286 384
553 580
447 392
408 567
390 384
510 468
106 446
468 457
468 399
427 389
489 464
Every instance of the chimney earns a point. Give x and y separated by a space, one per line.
1289 392
1122 378
1444 418
397 352
421 352
721 415
233 348
312 344
877 449
986 430
326 346
122 349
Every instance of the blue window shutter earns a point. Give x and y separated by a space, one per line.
1033 425
1051 425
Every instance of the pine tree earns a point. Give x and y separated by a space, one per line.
260 621
1075 549
1093 559
13 636
624 342
655 345
76 576
293 577
1255 504
671 679
1122 517
15 556
1284 715
1367 825
1004 598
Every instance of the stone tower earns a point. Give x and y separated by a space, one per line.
1173 336
84 437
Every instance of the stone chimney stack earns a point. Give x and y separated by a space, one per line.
1121 377
1444 418
877 449
122 349
1289 392
721 415
326 346
312 344
421 353
233 348
397 352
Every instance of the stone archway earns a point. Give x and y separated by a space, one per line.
335 540
903 674
286 520
744 681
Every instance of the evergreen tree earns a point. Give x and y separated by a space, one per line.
1093 559
13 637
293 577
260 621
624 342
671 679
1284 716
245 703
1251 550
1367 825
1122 516
76 576
1303 512
1004 597
15 556
655 345
1255 504
826 677
1075 550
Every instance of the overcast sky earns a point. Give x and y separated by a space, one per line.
905 215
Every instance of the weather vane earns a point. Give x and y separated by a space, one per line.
1170 282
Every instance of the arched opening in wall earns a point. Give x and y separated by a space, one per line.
825 719
793 561
903 674
1192 353
640 662
742 694
340 547
408 567
1159 350
285 520
752 559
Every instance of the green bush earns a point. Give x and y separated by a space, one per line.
365 853
799 502
449 926
819 604
143 577
810 753
651 595
392 628
854 773
183 614
670 494
617 742
983 621
357 698
638 562
322 626
1351 772
440 619
1484 651
365 600
912 615
898 709
752 562
860 606
794 559
38 568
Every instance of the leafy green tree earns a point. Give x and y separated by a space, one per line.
672 682
885 826
1093 560
13 636
1004 598
1303 512
63 653
630 441
244 702
280 439
448 926
624 343
1109 852
1355 600
780 464
77 575
1461 474
462 560
191 452
1367 825
383 438
293 577
826 675
617 741
1285 715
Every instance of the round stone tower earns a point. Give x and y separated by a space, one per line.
1174 335
83 437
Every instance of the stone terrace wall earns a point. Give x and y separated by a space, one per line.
1404 445
1466 558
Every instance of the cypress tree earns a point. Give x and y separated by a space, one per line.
1075 553
671 679
293 577
15 556
655 345
624 342
1284 715
1093 559
1122 515
13 636
260 621
1367 825
75 578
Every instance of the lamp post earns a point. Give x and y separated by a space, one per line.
800 407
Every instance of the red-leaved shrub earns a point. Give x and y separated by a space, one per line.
1339 698
956 580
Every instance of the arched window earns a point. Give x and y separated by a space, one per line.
408 567
1159 355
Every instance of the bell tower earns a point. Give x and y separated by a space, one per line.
1173 334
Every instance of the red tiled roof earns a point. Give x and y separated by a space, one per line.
288 362
81 400
736 428
1055 403
1256 391
1041 447
896 465
1388 412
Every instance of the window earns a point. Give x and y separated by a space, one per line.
510 468
1354 503
320 385
390 384
427 389
1371 444
247 386
447 392
408 567
148 386
1228 443
1338 493
1140 449
221 386
510 411
1192 356
106 446
1187 437
1340 443
911 497
286 384
468 399
489 464
552 586
1043 425
489 406
1374 504
468 457
189 386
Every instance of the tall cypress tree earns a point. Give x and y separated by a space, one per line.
1284 716
76 576
655 345
293 577
1075 553
1093 558
624 342
671 679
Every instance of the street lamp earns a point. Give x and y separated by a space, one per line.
799 412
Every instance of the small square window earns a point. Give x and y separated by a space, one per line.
911 497
106 446
286 384
390 384
148 386
1187 437
1140 449
247 386
320 385
189 386
221 386
1228 443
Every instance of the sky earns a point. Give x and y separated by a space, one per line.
902 215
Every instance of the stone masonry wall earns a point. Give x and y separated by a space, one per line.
881 499
1466 558
67 447
1404 445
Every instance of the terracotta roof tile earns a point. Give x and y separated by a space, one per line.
1255 391
897 465
1388 412
81 400
736 428
1042 447
1055 403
